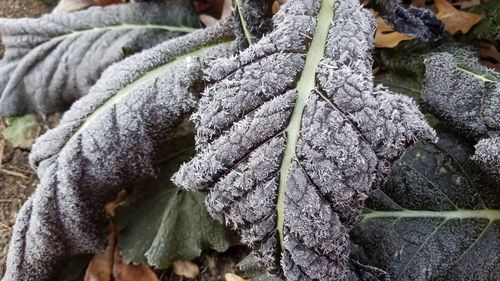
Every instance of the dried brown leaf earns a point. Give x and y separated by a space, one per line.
101 266
385 37
234 277
186 269
131 272
455 20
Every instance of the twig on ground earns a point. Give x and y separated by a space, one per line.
12 173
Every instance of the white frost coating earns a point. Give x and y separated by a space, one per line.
51 61
101 146
349 135
466 95
488 154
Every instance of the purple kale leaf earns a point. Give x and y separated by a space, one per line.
292 135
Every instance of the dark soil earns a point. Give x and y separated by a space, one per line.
17 179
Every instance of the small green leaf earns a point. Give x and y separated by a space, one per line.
161 223
22 131
400 83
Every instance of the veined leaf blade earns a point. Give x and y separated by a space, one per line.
292 135
51 61
93 154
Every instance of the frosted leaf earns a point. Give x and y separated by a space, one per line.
406 19
52 61
107 140
488 154
252 20
466 95
437 218
292 135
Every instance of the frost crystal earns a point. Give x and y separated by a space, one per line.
466 96
52 61
292 135
108 139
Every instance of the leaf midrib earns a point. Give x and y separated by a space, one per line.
489 214
305 85
120 94
125 26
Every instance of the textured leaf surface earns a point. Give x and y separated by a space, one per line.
437 218
488 154
421 23
51 61
466 96
160 223
292 135
107 139
253 20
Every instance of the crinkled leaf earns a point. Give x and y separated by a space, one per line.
406 19
463 93
466 95
488 154
108 139
292 135
253 20
161 223
51 61
21 131
437 218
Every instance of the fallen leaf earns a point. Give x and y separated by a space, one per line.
490 55
72 5
22 131
108 2
101 266
455 20
186 269
385 37
110 208
234 277
131 272
222 7
464 4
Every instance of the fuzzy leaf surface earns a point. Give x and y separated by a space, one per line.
466 95
406 19
437 218
292 135
107 140
253 19
52 61
161 223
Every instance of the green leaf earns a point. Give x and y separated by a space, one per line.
489 27
21 131
437 218
400 83
161 223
